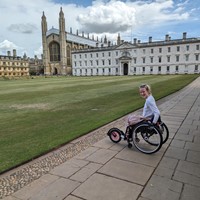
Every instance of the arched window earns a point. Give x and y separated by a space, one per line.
54 49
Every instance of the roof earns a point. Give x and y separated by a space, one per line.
75 38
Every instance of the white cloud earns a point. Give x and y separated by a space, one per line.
22 28
111 17
7 45
118 16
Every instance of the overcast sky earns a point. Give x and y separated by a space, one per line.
20 21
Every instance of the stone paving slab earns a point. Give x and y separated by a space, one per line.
57 190
192 146
178 143
68 168
85 172
164 172
190 192
119 146
84 154
138 157
101 156
177 153
35 187
159 188
193 156
167 162
186 178
129 171
189 168
101 187
104 144
70 197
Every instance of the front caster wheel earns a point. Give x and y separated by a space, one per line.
115 135
130 145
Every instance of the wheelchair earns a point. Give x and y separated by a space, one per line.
145 136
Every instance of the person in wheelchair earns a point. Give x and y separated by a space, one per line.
150 113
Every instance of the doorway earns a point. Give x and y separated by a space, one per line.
55 71
125 68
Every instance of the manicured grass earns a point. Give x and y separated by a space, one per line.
40 114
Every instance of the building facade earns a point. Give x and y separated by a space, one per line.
180 56
36 66
13 66
58 44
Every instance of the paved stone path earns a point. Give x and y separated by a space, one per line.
94 168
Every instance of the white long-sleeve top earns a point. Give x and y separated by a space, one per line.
150 109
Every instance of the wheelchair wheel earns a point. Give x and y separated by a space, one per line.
165 131
147 139
115 135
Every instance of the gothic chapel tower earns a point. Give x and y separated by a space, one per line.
54 47
44 44
58 44
62 38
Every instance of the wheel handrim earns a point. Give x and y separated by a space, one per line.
147 142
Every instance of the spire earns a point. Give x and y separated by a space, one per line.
105 40
62 40
118 39
61 21
61 13
43 16
44 24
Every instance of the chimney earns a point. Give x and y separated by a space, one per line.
118 39
97 44
14 53
77 32
167 37
105 40
135 40
70 29
8 53
150 39
82 33
184 35
138 41
108 43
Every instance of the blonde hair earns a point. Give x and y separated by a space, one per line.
147 87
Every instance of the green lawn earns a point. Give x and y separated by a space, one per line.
37 115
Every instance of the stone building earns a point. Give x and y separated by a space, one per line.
13 66
36 66
58 44
178 56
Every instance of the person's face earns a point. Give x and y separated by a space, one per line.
143 93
